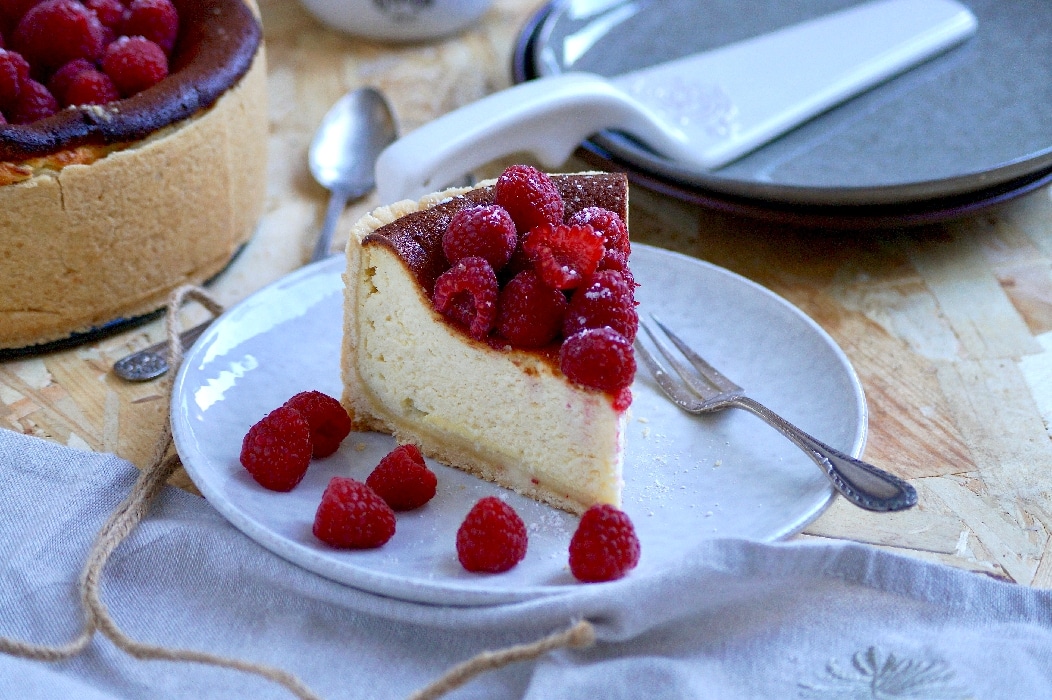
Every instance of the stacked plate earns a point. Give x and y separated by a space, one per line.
966 130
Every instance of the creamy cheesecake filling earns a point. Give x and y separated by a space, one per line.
505 415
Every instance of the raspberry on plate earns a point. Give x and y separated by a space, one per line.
467 294
328 421
109 12
564 256
530 312
600 358
276 451
492 537
484 231
530 197
134 63
55 32
403 479
605 546
352 516
607 300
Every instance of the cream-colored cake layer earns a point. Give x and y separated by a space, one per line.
506 416
92 243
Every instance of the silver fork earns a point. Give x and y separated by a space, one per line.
700 388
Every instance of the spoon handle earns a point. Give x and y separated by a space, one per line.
337 203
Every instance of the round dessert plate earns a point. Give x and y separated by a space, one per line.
971 119
687 478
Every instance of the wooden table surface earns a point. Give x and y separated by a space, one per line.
949 326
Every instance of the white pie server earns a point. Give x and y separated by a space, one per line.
704 110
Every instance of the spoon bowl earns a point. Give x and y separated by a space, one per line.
343 153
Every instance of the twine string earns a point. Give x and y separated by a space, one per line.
131 511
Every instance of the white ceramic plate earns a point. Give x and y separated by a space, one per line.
687 478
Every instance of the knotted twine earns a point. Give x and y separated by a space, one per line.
130 512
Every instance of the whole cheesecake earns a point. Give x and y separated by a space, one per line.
504 413
104 209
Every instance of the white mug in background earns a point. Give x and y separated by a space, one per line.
398 20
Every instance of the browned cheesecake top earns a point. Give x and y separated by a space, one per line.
417 237
217 42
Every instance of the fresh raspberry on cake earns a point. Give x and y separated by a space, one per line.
600 358
352 516
90 87
57 31
60 81
530 196
328 421
156 20
531 312
276 451
492 537
484 231
605 546
34 102
565 256
403 479
607 300
607 223
467 294
110 12
134 63
14 71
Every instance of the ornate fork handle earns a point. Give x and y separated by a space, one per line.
860 482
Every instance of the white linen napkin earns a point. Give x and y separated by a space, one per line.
735 619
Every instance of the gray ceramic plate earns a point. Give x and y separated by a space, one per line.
972 119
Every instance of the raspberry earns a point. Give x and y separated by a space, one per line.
109 12
606 222
55 32
530 197
134 64
90 87
492 537
352 516
60 81
12 12
604 547
402 479
607 300
467 294
486 231
565 256
530 312
276 451
328 421
157 20
34 102
599 358
14 71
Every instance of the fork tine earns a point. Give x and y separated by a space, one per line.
695 381
711 374
678 392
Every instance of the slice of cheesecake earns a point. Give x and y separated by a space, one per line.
471 399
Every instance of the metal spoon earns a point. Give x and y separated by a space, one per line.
342 158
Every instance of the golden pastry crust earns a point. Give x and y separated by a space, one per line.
95 234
